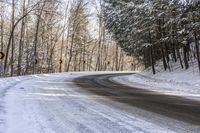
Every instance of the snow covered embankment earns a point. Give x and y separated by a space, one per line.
5 85
180 82
7 82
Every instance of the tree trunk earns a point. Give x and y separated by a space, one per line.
196 44
151 54
164 60
197 49
13 40
185 57
2 41
179 56
36 37
21 42
152 59
174 54
70 52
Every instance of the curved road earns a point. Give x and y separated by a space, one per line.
76 103
171 106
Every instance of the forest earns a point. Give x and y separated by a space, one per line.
48 36
156 30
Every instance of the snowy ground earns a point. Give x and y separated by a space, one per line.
180 82
52 103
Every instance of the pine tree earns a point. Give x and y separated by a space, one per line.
156 29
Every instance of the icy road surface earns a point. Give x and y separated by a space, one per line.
55 104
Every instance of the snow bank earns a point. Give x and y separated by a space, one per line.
179 82
5 82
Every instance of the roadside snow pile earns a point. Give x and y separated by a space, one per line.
180 82
5 85
8 82
11 81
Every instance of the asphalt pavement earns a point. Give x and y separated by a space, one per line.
175 107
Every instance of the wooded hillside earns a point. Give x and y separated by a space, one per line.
44 36
152 30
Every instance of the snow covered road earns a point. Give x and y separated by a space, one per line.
55 104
